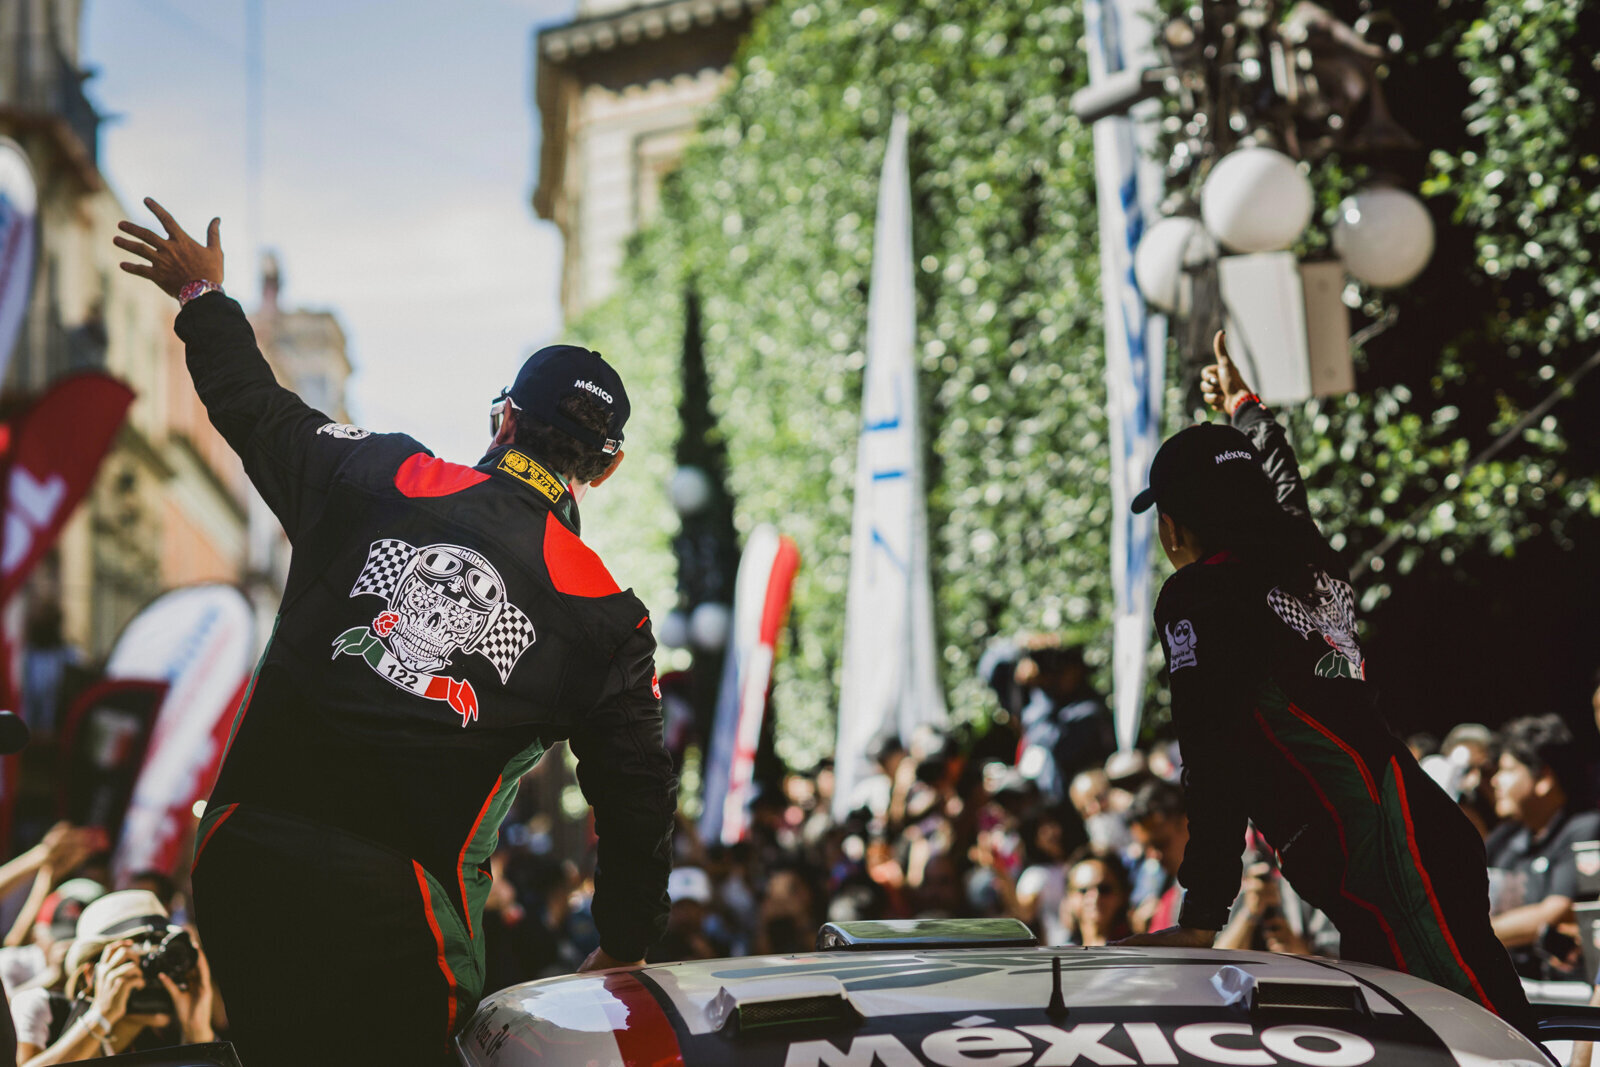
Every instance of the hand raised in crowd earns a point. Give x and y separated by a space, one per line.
67 846
1260 891
192 1006
116 976
1221 384
176 259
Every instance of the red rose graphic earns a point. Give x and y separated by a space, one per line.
385 623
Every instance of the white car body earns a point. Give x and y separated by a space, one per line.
989 1007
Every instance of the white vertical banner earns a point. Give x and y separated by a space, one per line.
891 661
1128 185
19 206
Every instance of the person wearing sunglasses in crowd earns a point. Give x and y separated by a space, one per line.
443 625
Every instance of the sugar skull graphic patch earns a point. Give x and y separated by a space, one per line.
1180 645
1330 611
440 600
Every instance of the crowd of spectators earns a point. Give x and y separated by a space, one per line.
1081 843
1037 818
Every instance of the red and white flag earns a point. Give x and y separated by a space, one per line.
199 640
51 456
761 596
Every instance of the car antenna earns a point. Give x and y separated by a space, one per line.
1057 1008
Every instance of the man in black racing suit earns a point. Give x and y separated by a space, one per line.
1278 726
442 627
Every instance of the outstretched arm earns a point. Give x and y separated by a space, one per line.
272 429
1224 389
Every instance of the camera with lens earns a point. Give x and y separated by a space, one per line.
171 953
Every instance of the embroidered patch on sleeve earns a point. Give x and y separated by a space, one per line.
344 431
1181 639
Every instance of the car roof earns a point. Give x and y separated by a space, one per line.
905 1008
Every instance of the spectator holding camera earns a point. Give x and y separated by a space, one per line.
133 983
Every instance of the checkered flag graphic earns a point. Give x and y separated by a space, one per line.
385 560
1291 611
1332 612
506 640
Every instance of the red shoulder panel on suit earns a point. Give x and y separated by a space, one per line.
425 475
573 566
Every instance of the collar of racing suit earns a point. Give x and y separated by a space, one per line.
565 505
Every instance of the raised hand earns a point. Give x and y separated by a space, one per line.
176 259
1221 384
116 976
193 1005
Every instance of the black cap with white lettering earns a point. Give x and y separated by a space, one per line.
556 372
1202 467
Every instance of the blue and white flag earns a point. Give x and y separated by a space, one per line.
19 203
1129 186
891 662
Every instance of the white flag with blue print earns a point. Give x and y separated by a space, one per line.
891 676
1128 181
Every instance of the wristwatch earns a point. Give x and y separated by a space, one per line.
198 287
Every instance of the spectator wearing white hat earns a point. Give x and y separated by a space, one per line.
106 1009
55 924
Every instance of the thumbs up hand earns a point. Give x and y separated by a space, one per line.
1221 384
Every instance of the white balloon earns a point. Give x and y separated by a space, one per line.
1384 235
1159 263
709 625
1256 200
689 490
674 631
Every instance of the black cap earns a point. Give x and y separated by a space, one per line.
556 372
1205 466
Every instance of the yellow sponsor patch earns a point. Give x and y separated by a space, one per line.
526 470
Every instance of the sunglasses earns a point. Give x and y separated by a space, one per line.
503 404
497 410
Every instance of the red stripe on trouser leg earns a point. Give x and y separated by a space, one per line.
1344 847
438 940
1427 885
645 1038
1361 765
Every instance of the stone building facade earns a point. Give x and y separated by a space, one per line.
619 90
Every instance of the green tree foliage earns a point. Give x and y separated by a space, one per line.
772 214
1502 94
771 217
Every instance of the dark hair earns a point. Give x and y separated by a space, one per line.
1107 859
1543 742
1157 797
568 455
159 883
1287 545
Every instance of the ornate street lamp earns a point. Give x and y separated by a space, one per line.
1255 94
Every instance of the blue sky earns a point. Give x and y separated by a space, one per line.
397 163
